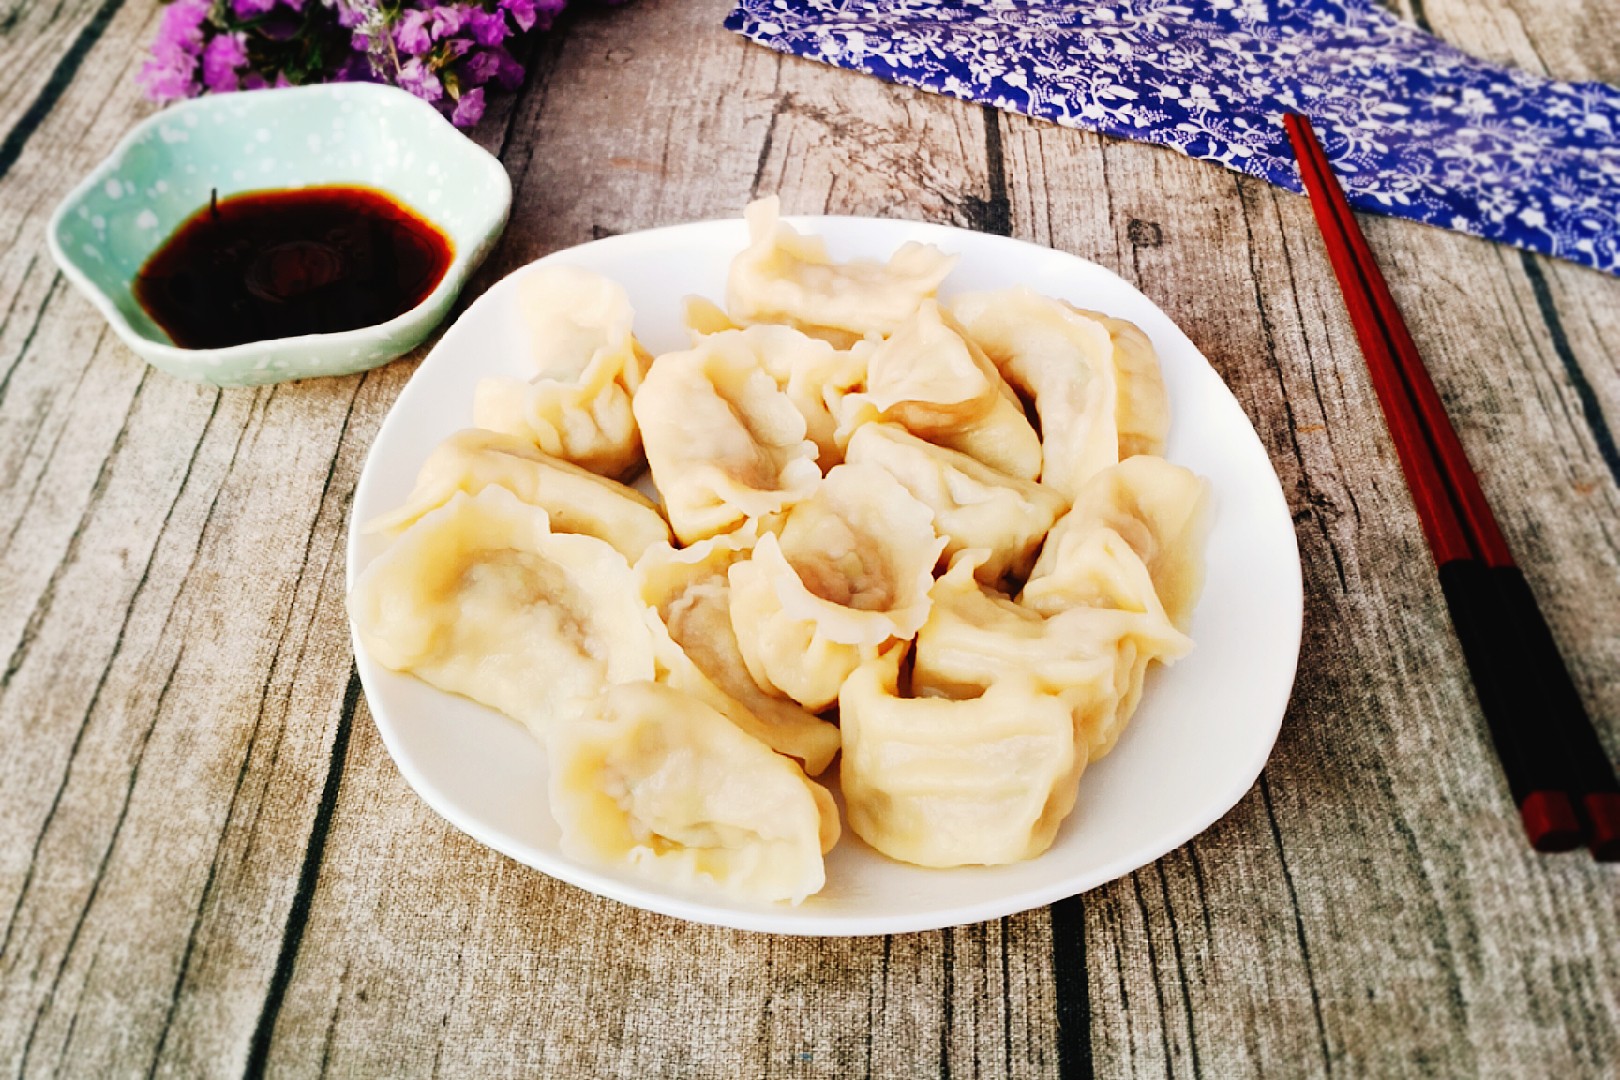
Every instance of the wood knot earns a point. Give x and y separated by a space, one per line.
1144 233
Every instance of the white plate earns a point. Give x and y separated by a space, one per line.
1201 736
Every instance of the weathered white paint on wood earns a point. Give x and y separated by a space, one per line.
209 865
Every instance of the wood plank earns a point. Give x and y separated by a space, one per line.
164 562
1164 223
475 965
45 46
1563 41
190 886
978 998
1378 647
196 727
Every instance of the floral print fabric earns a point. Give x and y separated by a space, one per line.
1412 126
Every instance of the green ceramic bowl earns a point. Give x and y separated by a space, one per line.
353 133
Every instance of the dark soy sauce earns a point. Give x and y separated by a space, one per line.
276 264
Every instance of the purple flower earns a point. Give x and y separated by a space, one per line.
487 27
412 33
254 81
529 14
447 20
443 51
354 13
171 72
415 77
250 9
417 30
470 109
170 81
546 12
497 64
222 58
522 11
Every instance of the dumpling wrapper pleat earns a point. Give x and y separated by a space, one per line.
575 500
588 365
850 571
941 387
1142 410
939 782
656 781
690 600
784 276
723 441
814 375
1161 510
1092 658
1063 362
974 505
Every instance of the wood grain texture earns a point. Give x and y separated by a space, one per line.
209 865
592 988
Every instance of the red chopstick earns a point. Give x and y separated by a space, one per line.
1556 767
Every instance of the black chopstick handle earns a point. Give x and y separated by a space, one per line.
1505 697
1563 717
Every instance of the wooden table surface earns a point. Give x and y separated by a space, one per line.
210 866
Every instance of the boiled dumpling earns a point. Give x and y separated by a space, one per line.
849 572
689 592
587 366
975 635
656 781
479 597
723 441
576 500
939 386
783 653
1062 361
1158 509
704 317
1093 659
863 549
784 276
974 506
1142 409
936 781
814 375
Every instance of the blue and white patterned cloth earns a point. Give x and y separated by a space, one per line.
1413 126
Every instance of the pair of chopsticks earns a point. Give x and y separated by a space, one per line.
1556 767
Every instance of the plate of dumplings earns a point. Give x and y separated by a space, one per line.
826 576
